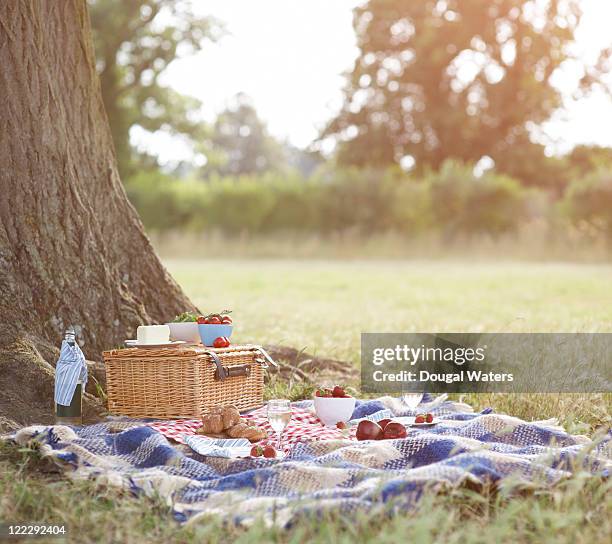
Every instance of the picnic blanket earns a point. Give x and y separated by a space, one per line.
335 474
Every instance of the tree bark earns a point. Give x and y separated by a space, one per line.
72 248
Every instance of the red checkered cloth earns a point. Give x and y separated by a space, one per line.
303 427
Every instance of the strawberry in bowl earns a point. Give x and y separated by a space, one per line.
333 405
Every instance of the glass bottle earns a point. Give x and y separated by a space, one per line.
73 414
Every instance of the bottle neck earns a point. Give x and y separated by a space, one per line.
70 337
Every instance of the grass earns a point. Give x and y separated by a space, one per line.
323 306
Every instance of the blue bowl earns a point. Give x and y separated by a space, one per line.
209 333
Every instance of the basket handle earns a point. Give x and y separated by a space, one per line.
221 373
266 356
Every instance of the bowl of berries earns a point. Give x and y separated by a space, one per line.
213 327
333 405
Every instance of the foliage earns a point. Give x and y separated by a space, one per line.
240 144
362 202
588 203
453 79
465 204
585 159
135 43
185 317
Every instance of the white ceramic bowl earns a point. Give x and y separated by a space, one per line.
188 332
331 410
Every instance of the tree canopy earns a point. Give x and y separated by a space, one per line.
240 143
135 42
453 79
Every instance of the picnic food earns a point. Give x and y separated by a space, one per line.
336 392
184 327
221 342
368 430
383 423
269 451
211 327
185 317
424 418
215 319
257 451
219 419
244 430
342 425
323 393
226 420
153 334
332 408
393 430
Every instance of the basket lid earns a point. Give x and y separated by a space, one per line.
175 351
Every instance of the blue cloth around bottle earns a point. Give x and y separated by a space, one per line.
70 368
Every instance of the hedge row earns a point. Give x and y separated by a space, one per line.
452 201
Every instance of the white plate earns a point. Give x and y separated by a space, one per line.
410 422
434 422
135 344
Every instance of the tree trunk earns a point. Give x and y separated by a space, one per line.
72 248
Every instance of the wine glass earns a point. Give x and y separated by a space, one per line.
412 398
279 415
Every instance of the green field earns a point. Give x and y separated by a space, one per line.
323 307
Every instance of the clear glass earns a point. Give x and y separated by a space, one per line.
412 399
279 415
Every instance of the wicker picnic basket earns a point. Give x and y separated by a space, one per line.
176 382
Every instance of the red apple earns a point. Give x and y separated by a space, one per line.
368 430
394 430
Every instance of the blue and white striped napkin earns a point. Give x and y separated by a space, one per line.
70 367
229 448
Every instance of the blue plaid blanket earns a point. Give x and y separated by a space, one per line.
465 448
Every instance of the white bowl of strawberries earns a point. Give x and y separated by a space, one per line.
333 405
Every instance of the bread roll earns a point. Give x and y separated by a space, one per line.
231 416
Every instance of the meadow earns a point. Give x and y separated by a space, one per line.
322 306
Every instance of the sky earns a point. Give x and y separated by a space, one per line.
289 56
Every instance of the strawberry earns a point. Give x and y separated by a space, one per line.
269 451
419 418
257 451
320 393
338 391
342 425
429 418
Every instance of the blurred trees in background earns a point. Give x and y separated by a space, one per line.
240 143
452 91
454 79
135 42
